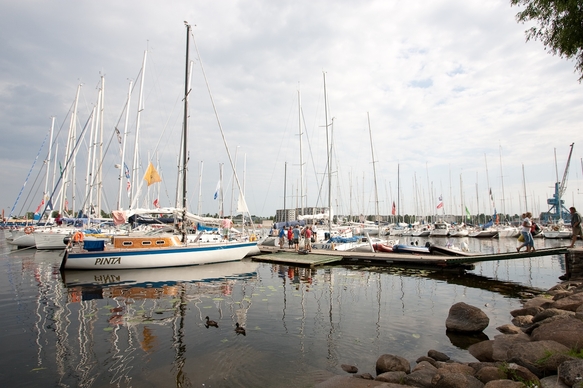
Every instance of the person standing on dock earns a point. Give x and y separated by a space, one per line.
308 239
528 241
296 238
575 225
281 237
290 238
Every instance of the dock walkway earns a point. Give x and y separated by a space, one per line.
321 257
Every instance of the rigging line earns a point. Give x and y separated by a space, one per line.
220 127
28 175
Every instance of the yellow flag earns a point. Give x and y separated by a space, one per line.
152 175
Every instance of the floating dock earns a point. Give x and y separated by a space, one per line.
423 260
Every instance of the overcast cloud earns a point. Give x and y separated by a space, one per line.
454 93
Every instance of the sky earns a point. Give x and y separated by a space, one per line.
454 100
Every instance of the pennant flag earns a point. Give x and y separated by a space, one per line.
118 135
128 187
66 205
151 176
440 205
468 215
126 170
394 210
217 190
39 206
156 203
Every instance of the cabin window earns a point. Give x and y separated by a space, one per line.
146 243
160 242
127 243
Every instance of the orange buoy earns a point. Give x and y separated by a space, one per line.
29 229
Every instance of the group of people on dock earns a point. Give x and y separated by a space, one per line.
294 235
528 227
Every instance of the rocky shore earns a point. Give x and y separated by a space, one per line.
541 347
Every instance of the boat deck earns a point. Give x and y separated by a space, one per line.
321 257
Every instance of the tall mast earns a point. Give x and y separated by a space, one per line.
329 157
123 171
301 153
185 136
135 163
376 193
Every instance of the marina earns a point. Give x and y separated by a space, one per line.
147 327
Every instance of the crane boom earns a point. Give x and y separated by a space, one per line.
563 186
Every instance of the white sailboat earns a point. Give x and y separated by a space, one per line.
157 251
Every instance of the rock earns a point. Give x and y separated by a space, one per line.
570 302
392 377
539 301
526 311
437 356
504 384
420 377
349 368
522 320
504 342
552 382
519 373
482 351
351 382
465 318
424 365
455 380
391 363
490 373
428 359
545 355
457 368
551 312
509 329
365 376
567 331
571 372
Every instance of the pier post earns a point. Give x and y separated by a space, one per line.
573 264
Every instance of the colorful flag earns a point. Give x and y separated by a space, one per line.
394 210
66 205
126 170
440 205
39 206
128 187
151 176
217 190
156 203
468 215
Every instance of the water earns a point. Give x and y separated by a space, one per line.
147 329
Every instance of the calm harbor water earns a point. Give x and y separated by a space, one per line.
146 328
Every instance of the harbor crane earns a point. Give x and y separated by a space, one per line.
557 210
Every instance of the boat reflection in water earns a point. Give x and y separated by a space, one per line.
140 307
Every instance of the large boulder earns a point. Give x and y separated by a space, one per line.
465 318
567 331
504 342
455 380
569 303
392 363
545 355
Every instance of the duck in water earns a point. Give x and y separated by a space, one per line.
239 329
210 323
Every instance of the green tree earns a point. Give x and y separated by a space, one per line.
559 28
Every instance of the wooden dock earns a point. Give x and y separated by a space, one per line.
321 257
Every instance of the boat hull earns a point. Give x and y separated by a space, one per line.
156 257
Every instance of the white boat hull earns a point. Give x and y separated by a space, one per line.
157 257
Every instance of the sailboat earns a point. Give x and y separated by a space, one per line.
155 251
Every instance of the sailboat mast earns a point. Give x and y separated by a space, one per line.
376 192
123 171
328 154
185 119
301 154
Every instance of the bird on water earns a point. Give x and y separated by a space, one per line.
239 329
210 323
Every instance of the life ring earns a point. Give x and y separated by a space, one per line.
29 229
78 237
